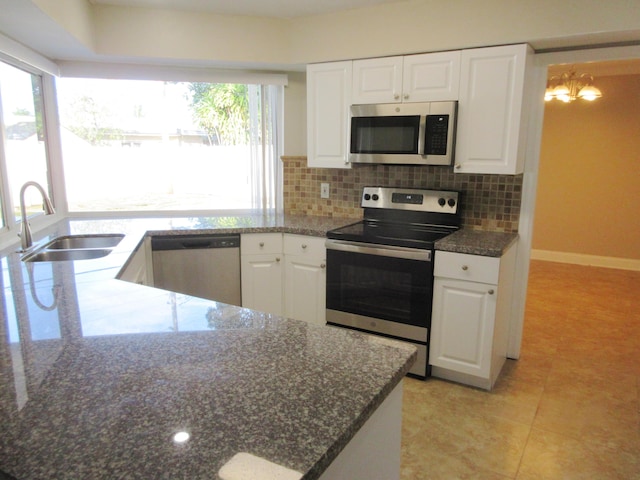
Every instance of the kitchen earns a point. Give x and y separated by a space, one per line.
310 27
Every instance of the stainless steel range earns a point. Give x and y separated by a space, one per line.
380 270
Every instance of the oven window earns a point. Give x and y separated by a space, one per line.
396 135
374 286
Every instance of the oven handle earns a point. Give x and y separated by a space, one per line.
381 250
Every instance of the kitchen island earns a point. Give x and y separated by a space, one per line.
101 378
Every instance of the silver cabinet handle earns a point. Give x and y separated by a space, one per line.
261 244
406 96
458 166
323 265
491 292
465 267
304 246
277 259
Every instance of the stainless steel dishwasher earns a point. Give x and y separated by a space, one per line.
206 266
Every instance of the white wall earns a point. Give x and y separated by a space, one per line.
295 118
401 27
433 25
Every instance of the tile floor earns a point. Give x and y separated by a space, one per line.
569 408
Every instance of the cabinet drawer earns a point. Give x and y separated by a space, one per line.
256 243
462 266
304 245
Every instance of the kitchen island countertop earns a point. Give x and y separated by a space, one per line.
97 375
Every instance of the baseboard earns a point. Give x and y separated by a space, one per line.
590 260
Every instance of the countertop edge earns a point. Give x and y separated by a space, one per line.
477 242
332 453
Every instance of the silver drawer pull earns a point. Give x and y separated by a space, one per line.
323 265
261 244
465 267
304 246
491 292
277 259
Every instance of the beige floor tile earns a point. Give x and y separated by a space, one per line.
580 416
554 456
532 367
569 408
463 440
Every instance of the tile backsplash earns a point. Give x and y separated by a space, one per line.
488 202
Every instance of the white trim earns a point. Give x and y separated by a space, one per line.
585 259
126 71
25 55
54 145
169 213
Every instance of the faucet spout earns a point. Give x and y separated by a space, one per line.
25 235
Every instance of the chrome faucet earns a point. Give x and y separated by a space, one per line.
25 235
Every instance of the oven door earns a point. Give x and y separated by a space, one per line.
381 289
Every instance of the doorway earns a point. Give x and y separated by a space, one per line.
588 176
530 180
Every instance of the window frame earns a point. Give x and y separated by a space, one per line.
11 227
25 59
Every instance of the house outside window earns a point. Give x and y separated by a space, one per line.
142 145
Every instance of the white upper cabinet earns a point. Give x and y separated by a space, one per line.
328 124
377 80
431 77
491 111
414 78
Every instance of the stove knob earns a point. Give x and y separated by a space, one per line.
441 202
452 202
375 197
367 196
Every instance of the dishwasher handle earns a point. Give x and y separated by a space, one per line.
192 242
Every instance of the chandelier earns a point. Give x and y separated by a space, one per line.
569 86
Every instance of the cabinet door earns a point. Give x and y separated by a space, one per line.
328 123
491 123
377 80
431 77
462 326
262 281
305 285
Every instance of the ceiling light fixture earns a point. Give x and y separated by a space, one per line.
569 86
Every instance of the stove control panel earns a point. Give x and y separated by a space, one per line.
439 201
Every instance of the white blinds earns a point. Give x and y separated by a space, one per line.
266 147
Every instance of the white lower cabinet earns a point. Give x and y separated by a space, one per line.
262 272
305 278
284 274
470 320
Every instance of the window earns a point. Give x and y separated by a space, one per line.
138 145
23 140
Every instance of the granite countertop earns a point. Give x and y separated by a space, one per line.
98 374
477 242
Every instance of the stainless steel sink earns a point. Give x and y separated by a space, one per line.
75 247
68 255
73 242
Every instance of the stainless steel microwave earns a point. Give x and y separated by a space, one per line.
403 133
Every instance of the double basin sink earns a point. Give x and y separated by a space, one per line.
75 247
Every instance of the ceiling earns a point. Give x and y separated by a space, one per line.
261 8
24 21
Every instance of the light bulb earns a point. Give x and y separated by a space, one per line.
589 93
